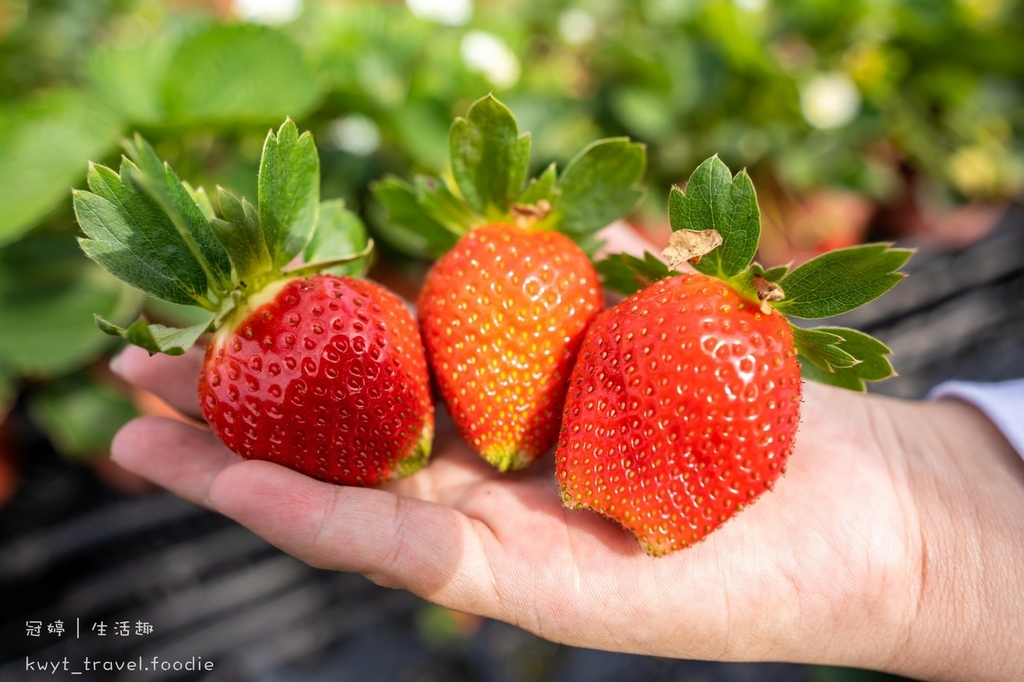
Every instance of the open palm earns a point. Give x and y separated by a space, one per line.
830 546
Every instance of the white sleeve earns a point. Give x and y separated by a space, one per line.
1002 402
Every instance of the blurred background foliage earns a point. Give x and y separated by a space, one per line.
856 119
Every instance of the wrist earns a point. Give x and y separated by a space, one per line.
967 485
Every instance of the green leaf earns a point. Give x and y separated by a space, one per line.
130 79
872 361
80 415
714 199
238 73
339 233
871 353
289 192
132 238
49 292
771 274
841 280
46 142
489 158
441 204
156 338
178 204
542 188
599 186
628 274
244 250
821 348
241 235
202 200
402 221
241 212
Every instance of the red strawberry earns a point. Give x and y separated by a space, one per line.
684 403
321 376
503 315
322 373
504 308
683 407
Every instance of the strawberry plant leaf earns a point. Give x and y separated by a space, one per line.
628 274
241 212
438 201
843 378
714 199
202 200
241 235
80 415
236 73
872 361
872 355
542 188
164 187
130 78
48 293
600 185
289 192
156 338
339 233
821 348
404 223
841 280
131 237
489 158
244 250
771 274
46 141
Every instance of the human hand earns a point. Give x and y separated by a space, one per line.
829 567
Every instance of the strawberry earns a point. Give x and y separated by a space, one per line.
504 308
321 375
503 346
307 366
684 402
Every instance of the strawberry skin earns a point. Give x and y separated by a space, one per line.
682 409
503 315
325 375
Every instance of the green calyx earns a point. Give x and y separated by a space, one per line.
488 181
166 239
716 227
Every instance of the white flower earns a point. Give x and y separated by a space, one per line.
830 100
355 134
271 12
448 12
488 54
577 26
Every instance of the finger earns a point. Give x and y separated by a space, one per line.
180 457
173 378
621 237
429 549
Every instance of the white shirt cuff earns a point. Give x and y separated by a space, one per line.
1002 402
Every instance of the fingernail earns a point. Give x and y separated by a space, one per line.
115 364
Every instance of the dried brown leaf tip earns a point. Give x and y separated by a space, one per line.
526 215
689 246
767 293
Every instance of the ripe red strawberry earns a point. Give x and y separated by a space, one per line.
684 403
308 367
503 315
321 375
504 308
